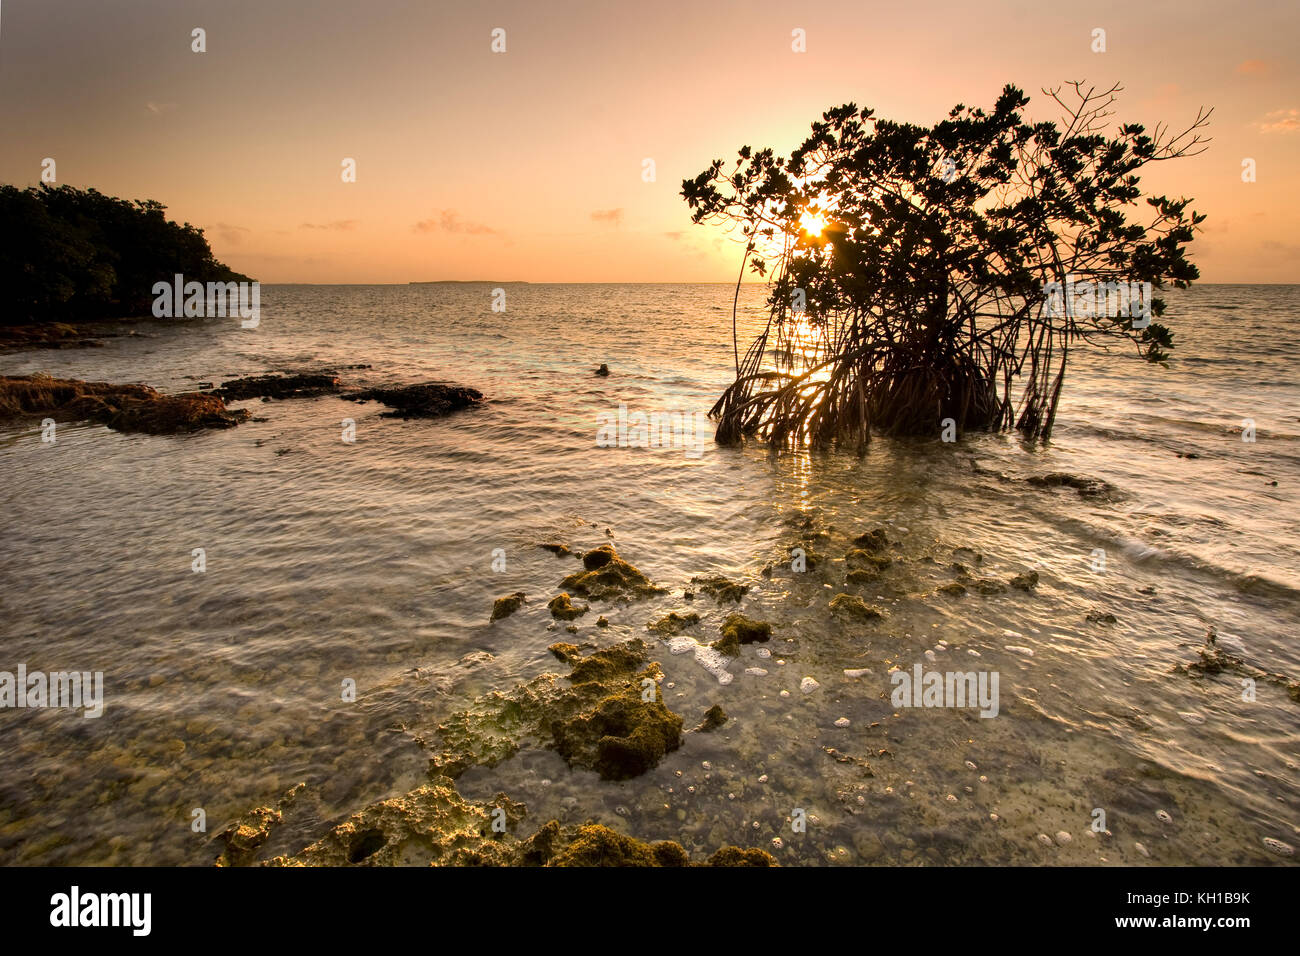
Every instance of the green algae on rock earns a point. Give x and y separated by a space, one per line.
432 824
673 623
505 606
720 588
862 559
861 576
562 607
875 540
714 718
607 577
850 605
609 717
738 629
1025 582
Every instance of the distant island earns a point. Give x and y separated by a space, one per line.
469 282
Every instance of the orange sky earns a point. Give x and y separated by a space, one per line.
528 164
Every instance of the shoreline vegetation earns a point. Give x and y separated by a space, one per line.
76 255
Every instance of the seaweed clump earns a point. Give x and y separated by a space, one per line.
852 606
738 629
673 623
607 577
720 588
628 730
505 606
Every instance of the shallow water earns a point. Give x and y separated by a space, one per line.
373 561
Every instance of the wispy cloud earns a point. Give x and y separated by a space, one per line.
448 220
337 225
1281 121
233 235
157 108
674 236
1255 68
612 216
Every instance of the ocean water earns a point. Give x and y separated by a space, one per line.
373 561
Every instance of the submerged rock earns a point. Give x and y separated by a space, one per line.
875 540
1087 487
861 576
720 587
1025 582
426 400
562 607
852 606
123 408
603 371
862 559
606 577
714 718
1102 617
559 550
505 606
989 586
955 588
290 385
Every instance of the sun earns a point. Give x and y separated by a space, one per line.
812 222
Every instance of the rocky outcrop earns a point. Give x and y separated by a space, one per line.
427 400
123 408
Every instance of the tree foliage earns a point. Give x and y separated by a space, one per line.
925 294
69 254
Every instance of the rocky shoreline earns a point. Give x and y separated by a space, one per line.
141 408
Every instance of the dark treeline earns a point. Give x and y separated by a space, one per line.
70 254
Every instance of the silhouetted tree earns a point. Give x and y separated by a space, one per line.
912 268
69 254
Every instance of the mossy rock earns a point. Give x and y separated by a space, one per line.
562 607
875 540
559 550
622 737
955 588
738 629
860 558
735 856
1025 582
852 606
505 606
714 718
989 586
862 576
606 577
673 623
721 588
